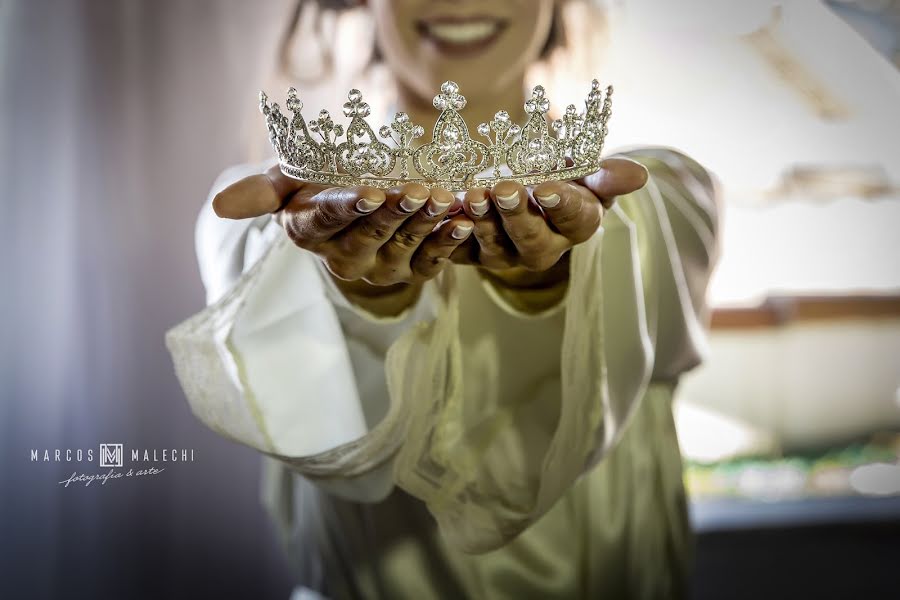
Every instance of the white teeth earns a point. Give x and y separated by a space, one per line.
463 33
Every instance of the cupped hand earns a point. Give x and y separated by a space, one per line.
528 230
380 237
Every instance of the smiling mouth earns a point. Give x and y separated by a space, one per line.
461 36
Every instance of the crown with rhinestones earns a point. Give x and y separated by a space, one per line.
319 151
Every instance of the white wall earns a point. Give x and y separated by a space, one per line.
808 384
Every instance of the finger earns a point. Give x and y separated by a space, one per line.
494 248
311 219
370 233
407 238
573 210
434 253
522 220
466 253
616 177
477 203
258 195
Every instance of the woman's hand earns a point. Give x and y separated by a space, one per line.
522 236
522 233
382 237
374 242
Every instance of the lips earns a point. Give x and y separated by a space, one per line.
461 35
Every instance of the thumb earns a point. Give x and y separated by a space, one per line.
256 195
617 177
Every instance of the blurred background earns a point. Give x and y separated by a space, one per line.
115 118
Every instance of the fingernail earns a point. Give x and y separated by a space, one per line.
364 205
479 209
435 208
508 202
410 204
548 201
461 232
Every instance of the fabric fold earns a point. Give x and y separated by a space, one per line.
441 459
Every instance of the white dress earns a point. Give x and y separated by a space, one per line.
464 449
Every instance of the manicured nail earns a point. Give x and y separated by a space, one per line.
508 202
479 209
548 201
366 206
410 204
435 208
461 232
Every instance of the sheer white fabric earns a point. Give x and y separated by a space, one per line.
486 415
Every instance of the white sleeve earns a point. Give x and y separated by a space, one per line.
635 308
277 358
669 228
682 221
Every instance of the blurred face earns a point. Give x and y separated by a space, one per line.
483 45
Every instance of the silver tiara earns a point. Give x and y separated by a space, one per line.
318 151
